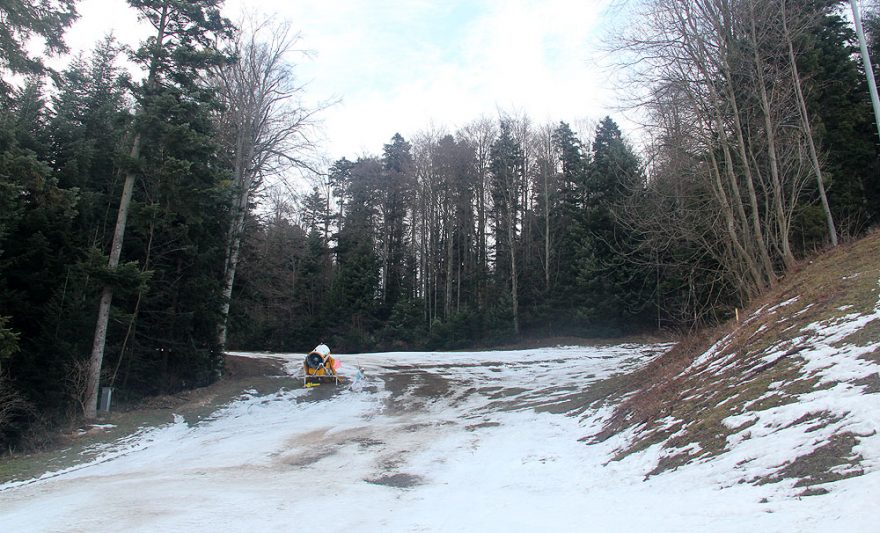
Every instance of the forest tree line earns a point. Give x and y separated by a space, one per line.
145 201
762 150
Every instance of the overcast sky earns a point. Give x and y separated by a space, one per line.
405 66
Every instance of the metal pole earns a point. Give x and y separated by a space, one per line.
866 59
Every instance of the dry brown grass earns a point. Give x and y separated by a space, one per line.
658 385
756 353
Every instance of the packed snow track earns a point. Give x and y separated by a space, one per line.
482 441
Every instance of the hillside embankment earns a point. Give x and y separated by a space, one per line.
800 368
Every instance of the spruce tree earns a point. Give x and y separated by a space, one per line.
183 47
568 220
507 175
24 19
395 195
615 289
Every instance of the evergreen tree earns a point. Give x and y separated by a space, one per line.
615 288
88 131
507 175
171 129
37 246
395 195
353 300
568 220
840 105
23 19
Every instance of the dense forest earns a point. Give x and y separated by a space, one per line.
141 234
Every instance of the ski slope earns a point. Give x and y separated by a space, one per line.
483 441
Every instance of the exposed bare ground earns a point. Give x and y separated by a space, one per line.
756 366
70 447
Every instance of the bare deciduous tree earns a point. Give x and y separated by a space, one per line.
12 403
480 135
719 78
266 128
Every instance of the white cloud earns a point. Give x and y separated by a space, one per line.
99 18
400 66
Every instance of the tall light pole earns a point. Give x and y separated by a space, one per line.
866 59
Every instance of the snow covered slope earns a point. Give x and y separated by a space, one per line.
486 441
773 428
789 397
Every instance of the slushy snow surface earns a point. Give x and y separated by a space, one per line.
485 441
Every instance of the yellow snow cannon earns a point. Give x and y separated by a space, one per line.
320 367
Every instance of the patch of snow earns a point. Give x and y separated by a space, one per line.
708 355
495 445
783 304
804 310
758 312
773 438
736 421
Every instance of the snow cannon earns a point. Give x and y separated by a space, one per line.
320 367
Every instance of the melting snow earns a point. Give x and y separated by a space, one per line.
484 441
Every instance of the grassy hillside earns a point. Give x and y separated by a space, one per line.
792 390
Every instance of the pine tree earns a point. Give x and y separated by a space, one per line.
23 19
507 176
615 288
182 48
395 196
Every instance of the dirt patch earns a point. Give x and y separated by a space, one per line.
320 393
419 383
309 458
593 395
481 425
412 388
501 393
77 445
870 384
398 481
366 442
657 388
867 335
237 367
833 461
311 438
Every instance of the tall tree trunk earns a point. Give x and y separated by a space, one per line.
447 305
746 245
769 127
514 289
98 342
546 233
458 266
756 225
263 132
746 258
386 248
808 130
424 259
233 247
